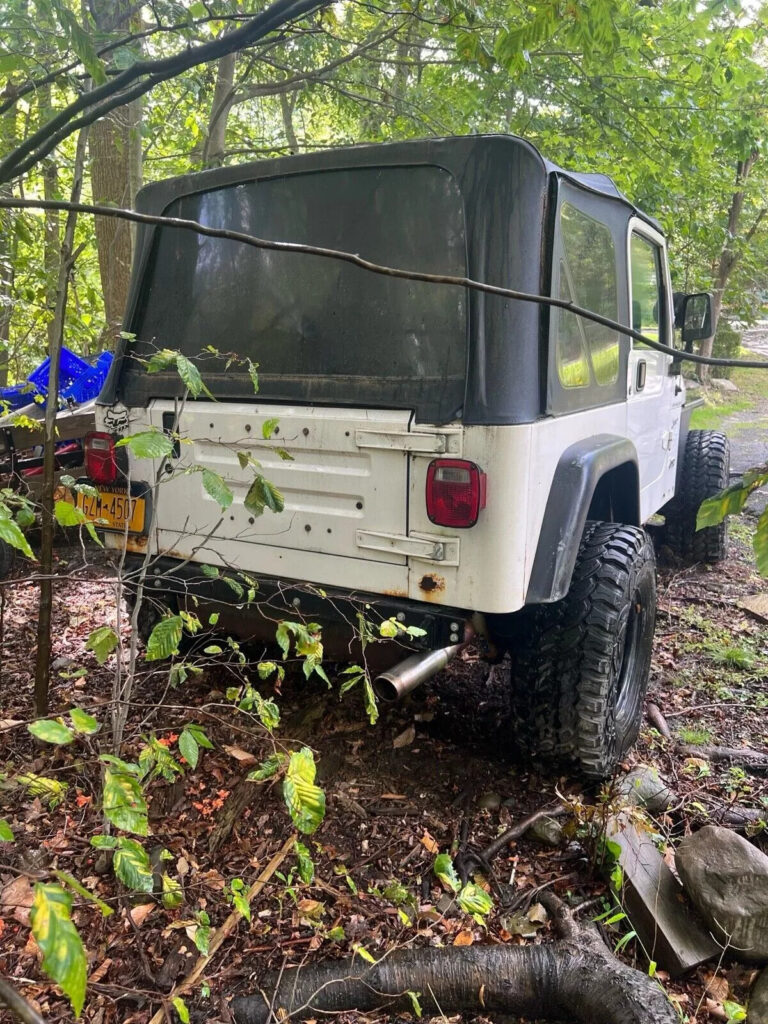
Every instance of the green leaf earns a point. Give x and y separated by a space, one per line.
305 800
305 863
178 1003
72 882
217 488
189 748
6 832
123 801
51 731
48 789
104 842
475 901
68 516
267 769
363 953
253 374
446 872
200 736
173 894
148 444
262 494
165 638
11 534
64 957
760 543
132 865
81 42
202 932
162 360
83 722
25 517
102 642
268 428
190 376
414 997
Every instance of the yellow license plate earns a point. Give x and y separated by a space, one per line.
113 510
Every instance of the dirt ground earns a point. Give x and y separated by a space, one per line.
438 773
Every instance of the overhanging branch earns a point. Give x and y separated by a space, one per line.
301 248
143 76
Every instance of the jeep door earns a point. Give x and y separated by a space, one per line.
654 393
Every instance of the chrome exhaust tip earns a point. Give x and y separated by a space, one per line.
393 685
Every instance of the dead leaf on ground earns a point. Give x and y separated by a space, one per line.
717 987
239 754
17 897
141 912
464 938
430 843
405 738
100 971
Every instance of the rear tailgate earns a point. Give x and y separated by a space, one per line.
345 492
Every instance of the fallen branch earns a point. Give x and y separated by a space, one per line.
740 755
17 1004
746 756
658 720
576 978
519 830
226 928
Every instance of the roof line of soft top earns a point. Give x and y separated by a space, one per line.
221 177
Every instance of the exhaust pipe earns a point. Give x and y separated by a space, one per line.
407 675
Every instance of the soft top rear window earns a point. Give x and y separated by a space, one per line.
320 330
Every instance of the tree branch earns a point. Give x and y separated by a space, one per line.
18 1004
375 268
143 76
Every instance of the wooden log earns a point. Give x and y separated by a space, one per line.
654 901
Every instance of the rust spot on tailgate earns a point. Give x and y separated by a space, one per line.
431 584
136 544
395 593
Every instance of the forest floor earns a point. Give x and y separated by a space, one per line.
436 774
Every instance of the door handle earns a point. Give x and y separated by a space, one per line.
641 374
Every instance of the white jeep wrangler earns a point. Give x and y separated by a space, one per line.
460 461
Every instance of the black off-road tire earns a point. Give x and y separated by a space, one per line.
704 472
580 666
151 612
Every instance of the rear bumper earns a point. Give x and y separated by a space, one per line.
339 612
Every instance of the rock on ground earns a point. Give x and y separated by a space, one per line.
644 788
757 1007
726 878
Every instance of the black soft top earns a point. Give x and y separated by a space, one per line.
505 192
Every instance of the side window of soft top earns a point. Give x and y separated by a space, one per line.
586 352
647 291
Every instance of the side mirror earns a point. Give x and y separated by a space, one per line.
695 318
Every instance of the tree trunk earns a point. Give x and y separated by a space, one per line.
52 244
48 524
287 104
7 251
111 184
115 149
575 980
729 255
214 146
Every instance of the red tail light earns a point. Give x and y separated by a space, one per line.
100 458
455 492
